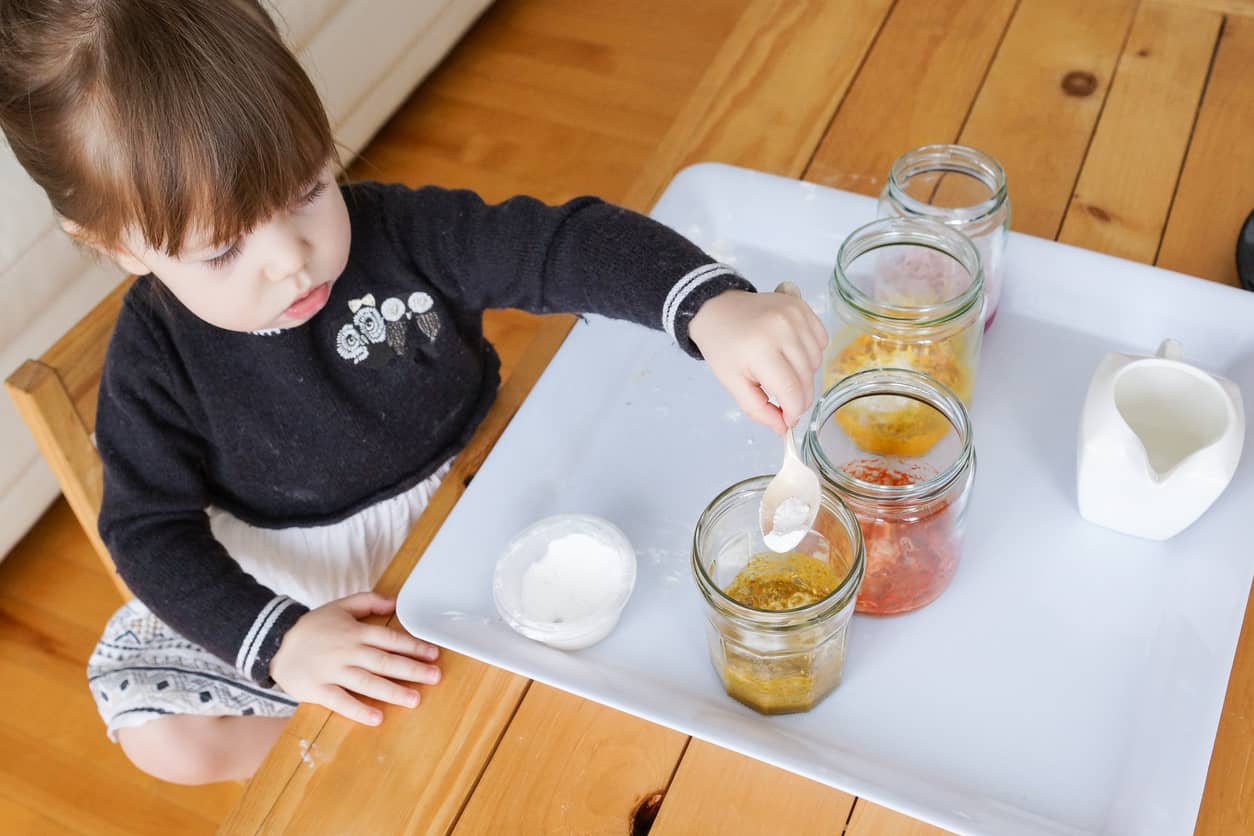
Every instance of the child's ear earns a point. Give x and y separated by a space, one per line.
119 256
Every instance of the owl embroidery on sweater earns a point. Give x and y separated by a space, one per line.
379 333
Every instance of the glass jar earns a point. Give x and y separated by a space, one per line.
910 498
776 623
906 293
962 188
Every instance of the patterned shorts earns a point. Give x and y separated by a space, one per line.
141 669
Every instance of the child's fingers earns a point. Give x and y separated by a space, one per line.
396 641
799 358
750 398
378 688
779 377
341 702
395 666
368 603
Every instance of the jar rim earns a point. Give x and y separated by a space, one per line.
908 383
781 620
919 232
958 159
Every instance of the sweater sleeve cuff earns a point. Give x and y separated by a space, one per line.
691 292
263 638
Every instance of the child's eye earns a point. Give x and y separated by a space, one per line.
313 194
225 257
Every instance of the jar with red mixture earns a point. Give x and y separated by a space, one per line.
912 508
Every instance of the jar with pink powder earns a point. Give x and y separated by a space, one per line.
963 188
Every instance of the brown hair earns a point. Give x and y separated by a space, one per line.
166 117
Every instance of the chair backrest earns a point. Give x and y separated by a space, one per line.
56 397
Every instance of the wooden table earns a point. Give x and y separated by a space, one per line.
1124 127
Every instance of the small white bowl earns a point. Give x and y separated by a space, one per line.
528 547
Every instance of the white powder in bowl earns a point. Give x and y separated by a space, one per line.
577 576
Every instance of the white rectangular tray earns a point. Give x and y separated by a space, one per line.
1069 681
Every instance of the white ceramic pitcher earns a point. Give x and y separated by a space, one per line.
1159 442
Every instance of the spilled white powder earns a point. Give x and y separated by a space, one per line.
788 526
578 576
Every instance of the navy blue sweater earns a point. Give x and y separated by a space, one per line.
309 425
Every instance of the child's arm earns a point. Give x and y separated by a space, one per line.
584 256
587 256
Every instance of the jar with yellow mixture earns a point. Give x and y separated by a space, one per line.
777 623
906 293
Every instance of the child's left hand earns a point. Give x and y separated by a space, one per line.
762 341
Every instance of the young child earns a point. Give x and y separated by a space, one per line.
299 362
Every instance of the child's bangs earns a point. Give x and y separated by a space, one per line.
213 140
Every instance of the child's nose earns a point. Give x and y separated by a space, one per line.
289 254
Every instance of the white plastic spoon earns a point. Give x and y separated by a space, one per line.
791 501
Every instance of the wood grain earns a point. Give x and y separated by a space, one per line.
1129 177
1228 801
79 356
915 88
1230 7
1041 101
758 104
568 765
47 406
409 775
717 791
77 800
1216 190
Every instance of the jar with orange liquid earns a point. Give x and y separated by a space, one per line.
906 293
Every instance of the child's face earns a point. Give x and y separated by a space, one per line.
277 276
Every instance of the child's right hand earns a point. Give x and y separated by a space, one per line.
328 655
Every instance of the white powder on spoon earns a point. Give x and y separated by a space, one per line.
788 526
578 576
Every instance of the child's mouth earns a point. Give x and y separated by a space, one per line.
309 304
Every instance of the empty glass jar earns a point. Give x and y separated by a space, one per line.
963 188
776 623
897 446
906 293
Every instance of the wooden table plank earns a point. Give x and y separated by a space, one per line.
1129 178
78 801
1042 98
756 105
716 791
915 88
1216 190
1232 7
405 776
1228 801
568 765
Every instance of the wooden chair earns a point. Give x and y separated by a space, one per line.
56 397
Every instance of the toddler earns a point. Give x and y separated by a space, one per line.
299 360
